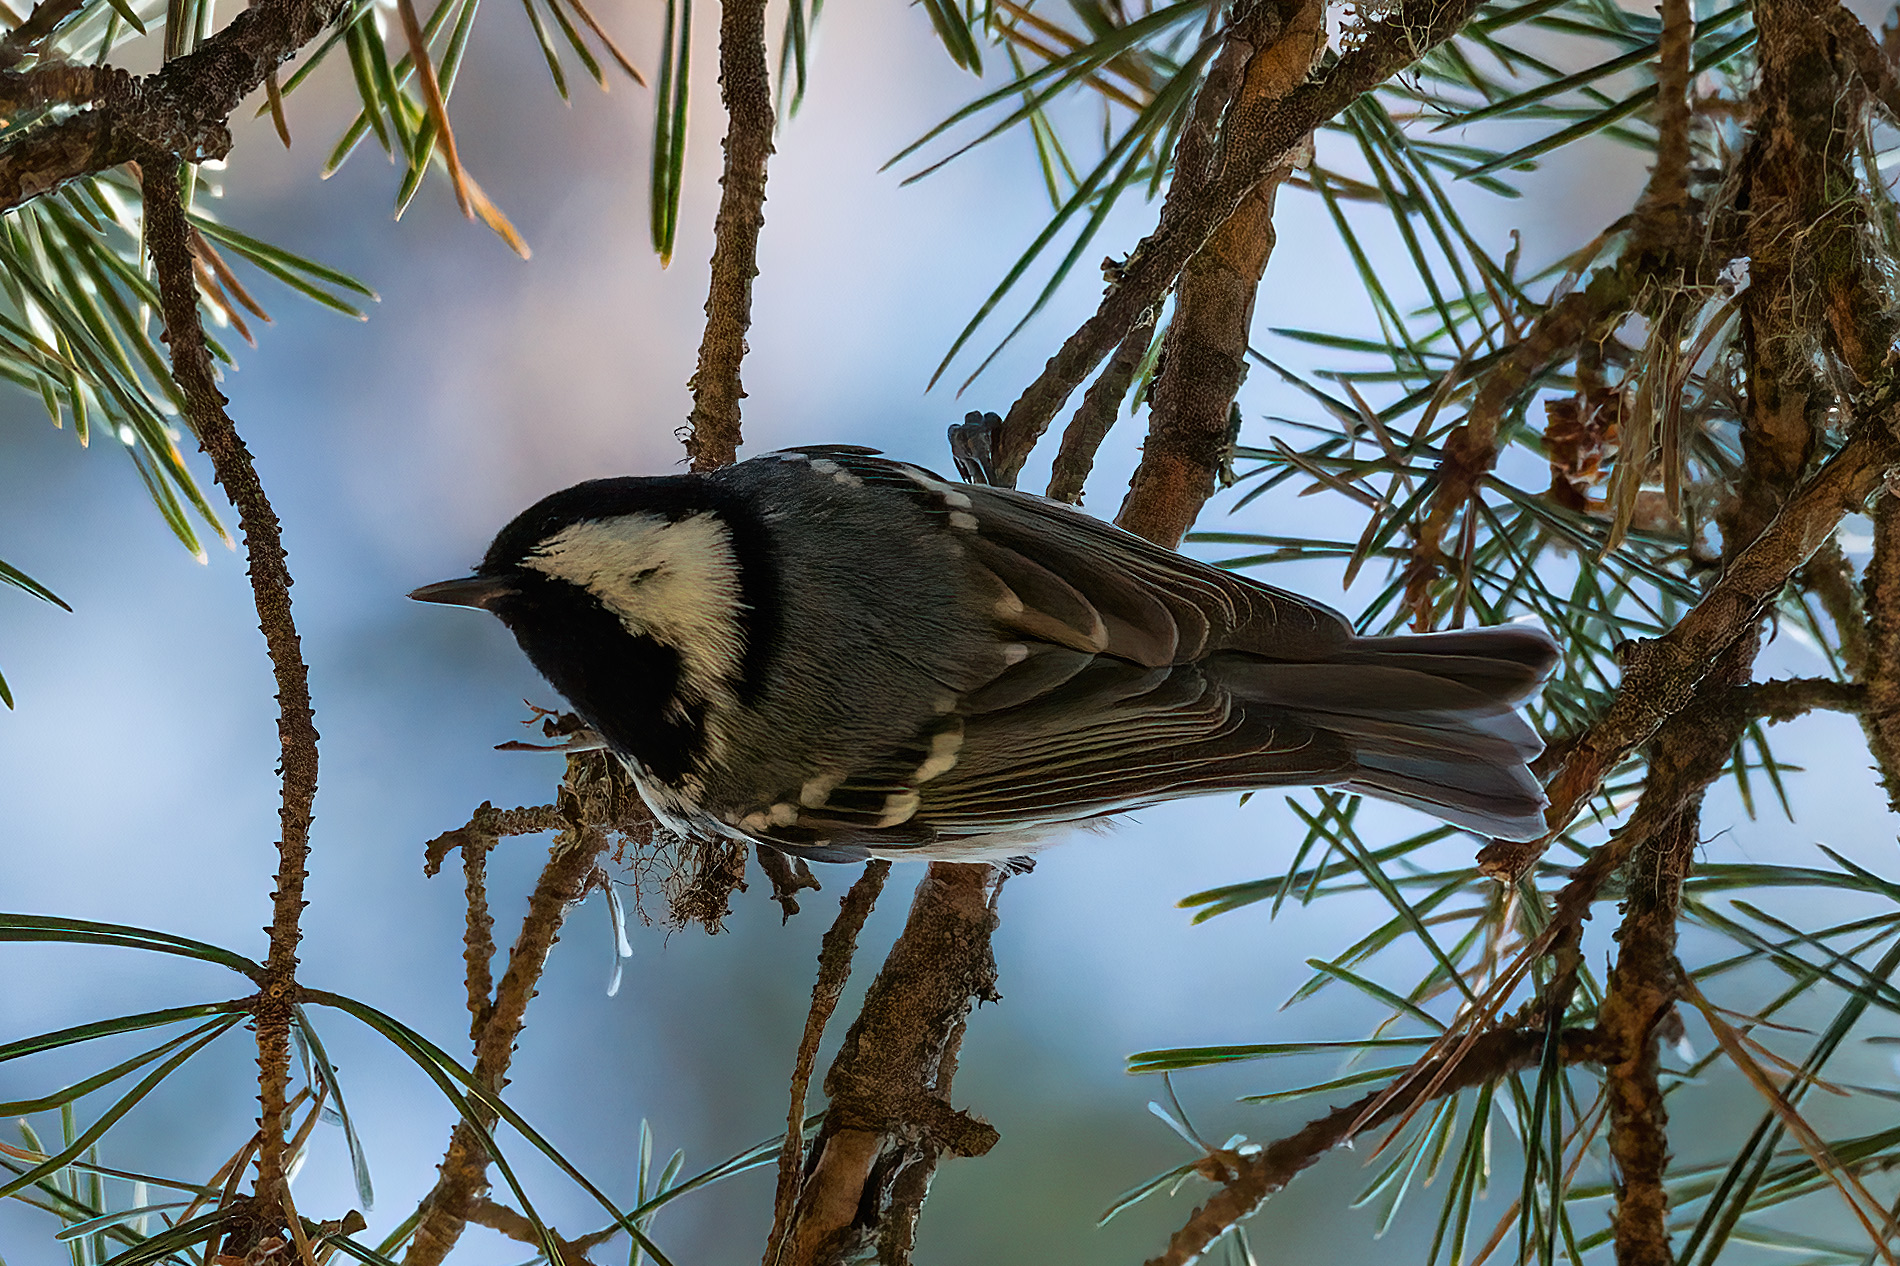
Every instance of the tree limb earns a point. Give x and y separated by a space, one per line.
834 970
890 1118
1640 1000
1204 358
1260 139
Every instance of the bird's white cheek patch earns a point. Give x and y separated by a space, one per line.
674 581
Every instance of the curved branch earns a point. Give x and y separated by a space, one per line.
834 970
1261 137
1251 1177
167 237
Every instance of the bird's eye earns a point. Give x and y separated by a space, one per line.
643 573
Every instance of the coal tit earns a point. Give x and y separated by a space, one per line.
840 656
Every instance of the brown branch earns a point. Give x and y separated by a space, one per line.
1660 843
1662 212
515 1225
1083 437
890 1118
167 238
59 82
24 40
1881 719
591 806
1471 448
714 421
180 110
1659 237
1204 358
1257 140
1250 1177
1791 697
1638 1005
1194 157
789 875
1660 675
834 970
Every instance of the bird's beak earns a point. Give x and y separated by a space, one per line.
469 591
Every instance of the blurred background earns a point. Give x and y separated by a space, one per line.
136 773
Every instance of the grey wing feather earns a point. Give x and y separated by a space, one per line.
1163 597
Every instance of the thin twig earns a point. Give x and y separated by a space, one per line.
834 970
1252 1177
515 1225
1787 698
1258 142
589 809
1075 459
167 238
714 422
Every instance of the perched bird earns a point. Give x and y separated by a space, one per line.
841 655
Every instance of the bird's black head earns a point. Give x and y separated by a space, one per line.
643 601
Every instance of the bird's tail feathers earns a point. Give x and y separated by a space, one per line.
1432 720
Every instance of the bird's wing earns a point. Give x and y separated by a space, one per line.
1096 704
1055 745
1091 586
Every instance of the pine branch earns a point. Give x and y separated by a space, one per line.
167 237
1639 1004
1204 357
180 110
744 85
834 971
1660 675
890 1119
1249 1178
1258 141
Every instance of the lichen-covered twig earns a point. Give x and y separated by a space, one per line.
890 1117
1258 140
834 970
167 239
713 440
1204 358
1881 719
591 805
1250 1177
